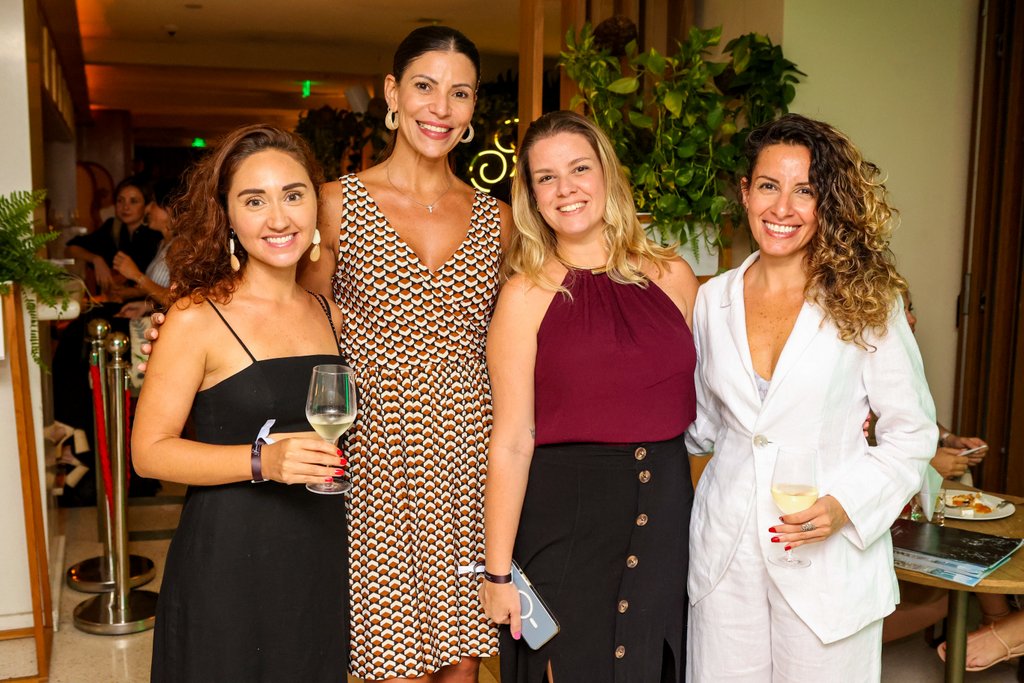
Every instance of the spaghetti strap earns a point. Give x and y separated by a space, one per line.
330 319
231 329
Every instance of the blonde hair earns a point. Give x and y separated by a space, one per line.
852 274
533 242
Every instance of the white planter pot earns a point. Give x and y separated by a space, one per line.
59 311
705 261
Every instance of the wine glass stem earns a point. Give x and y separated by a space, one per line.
789 555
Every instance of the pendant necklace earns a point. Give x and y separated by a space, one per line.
429 207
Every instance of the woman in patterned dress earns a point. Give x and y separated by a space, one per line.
411 257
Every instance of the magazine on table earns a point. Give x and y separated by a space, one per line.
956 555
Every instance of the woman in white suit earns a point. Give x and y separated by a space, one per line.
794 347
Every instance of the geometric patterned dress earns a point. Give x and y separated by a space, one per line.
417 452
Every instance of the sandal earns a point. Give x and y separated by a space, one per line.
981 633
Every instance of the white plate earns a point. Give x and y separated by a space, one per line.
987 499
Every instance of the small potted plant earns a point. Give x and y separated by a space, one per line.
21 264
678 121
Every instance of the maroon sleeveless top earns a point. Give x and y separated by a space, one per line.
615 364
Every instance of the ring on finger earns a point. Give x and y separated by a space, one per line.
807 526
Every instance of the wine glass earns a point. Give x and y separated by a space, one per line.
794 488
331 410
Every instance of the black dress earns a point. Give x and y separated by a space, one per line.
256 583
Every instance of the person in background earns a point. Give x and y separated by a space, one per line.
255 587
591 361
993 643
948 460
411 255
793 348
126 232
922 606
151 288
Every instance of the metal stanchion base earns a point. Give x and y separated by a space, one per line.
92 576
98 615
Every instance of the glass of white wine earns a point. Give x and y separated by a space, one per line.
331 410
794 488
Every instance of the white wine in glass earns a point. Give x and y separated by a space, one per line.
331 410
794 489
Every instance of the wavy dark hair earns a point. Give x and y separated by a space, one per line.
198 258
851 270
418 43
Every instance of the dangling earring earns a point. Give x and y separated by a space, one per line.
235 265
314 253
468 138
391 119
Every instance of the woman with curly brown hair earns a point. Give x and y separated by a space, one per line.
255 584
794 347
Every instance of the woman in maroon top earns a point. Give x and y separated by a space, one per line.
592 363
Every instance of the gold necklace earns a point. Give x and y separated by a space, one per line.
429 207
572 266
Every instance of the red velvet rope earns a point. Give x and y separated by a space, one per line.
101 436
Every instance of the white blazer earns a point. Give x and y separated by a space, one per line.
820 394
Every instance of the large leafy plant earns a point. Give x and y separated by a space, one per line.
20 262
678 121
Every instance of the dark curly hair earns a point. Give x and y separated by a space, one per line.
852 271
198 258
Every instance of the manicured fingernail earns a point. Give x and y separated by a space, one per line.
329 479
344 461
339 452
788 547
339 473
775 539
771 530
782 520
515 635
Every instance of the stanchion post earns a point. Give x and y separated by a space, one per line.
96 574
98 329
123 610
117 384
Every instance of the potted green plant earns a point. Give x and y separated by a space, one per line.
21 264
678 121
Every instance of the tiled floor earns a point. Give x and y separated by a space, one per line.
82 658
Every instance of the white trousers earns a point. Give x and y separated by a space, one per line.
744 630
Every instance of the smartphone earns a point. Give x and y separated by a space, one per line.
972 451
539 624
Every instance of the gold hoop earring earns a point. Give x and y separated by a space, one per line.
391 119
314 253
235 265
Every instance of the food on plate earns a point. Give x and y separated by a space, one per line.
964 500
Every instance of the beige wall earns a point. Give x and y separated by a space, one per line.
897 77
15 174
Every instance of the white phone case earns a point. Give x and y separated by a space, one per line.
539 624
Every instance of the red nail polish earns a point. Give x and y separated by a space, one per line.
775 539
339 452
329 479
339 473
788 548
771 530
344 461
782 520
